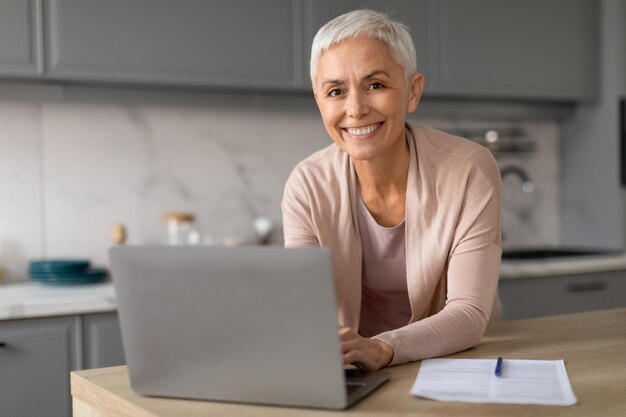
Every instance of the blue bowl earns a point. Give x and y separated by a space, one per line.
69 275
58 265
72 281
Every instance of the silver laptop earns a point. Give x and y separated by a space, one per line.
251 325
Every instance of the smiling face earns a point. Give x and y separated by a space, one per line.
363 97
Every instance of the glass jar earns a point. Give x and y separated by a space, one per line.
180 229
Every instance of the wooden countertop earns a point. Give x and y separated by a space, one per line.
592 344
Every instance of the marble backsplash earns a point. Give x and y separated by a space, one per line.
76 161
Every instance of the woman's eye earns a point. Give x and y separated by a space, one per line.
376 86
335 92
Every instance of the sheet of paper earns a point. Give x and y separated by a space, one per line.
474 380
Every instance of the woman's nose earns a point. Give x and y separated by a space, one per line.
357 106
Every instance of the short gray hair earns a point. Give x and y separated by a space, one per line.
377 26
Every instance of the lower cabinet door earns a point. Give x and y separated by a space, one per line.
543 296
102 344
36 357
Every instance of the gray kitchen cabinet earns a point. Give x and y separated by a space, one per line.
416 14
20 38
490 48
506 49
36 357
550 295
235 43
102 341
519 49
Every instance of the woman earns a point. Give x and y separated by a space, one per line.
410 214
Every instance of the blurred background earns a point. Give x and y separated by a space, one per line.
113 114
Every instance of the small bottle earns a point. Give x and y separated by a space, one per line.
263 226
119 234
180 229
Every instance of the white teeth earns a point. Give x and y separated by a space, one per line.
361 131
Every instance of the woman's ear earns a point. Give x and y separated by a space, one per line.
416 87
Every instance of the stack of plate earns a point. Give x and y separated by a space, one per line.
65 272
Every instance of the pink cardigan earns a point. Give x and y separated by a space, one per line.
453 242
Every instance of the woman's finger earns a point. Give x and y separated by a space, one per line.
350 345
351 357
346 333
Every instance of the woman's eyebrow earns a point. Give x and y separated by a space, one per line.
337 81
365 78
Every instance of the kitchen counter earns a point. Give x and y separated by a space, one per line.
527 268
593 365
31 299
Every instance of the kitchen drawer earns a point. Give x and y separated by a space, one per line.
36 357
549 295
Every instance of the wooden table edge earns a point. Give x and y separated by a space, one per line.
101 402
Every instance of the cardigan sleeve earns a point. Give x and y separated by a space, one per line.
472 277
298 225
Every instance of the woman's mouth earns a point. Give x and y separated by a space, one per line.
364 131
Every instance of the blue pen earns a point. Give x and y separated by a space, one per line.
498 370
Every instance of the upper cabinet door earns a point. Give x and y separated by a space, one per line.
413 13
515 48
20 36
234 43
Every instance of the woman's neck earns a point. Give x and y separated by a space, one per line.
382 184
386 174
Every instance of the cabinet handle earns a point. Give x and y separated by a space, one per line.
586 286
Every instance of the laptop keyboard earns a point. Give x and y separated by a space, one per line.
353 386
355 379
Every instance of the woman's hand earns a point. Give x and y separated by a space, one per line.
367 354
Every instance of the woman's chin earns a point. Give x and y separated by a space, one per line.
361 154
